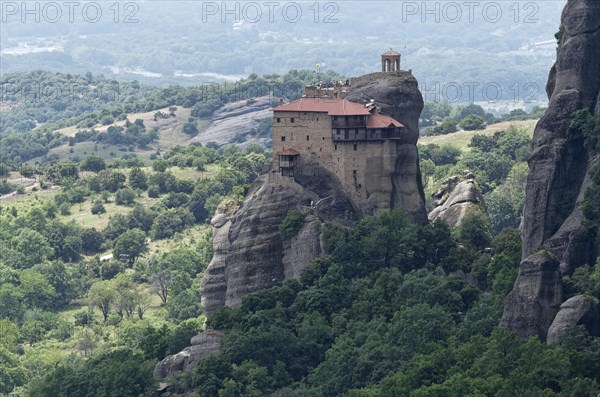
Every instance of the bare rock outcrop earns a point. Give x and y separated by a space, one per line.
455 199
559 170
233 118
397 94
203 345
536 296
578 310
249 252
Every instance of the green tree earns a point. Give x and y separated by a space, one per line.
472 122
12 373
138 179
190 128
93 163
98 208
37 291
475 230
116 372
160 165
11 306
125 196
130 245
33 247
91 240
103 295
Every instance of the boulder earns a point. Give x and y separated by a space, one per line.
578 310
455 199
203 345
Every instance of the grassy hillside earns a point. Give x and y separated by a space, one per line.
461 139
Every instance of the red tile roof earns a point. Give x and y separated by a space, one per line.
288 152
382 121
333 107
390 53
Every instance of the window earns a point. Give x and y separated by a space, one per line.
323 138
334 118
292 120
335 148
353 172
282 138
355 146
279 119
320 149
308 138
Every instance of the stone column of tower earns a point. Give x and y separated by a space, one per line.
390 61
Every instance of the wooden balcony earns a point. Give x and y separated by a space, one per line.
366 135
342 123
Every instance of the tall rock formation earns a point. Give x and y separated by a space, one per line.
556 239
397 94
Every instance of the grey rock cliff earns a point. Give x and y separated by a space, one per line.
249 252
536 297
559 168
398 95
455 199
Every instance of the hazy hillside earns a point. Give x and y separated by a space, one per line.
190 42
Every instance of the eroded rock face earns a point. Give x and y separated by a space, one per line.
249 252
560 165
397 94
578 310
203 345
534 301
455 199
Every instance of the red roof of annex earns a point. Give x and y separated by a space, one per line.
379 120
288 152
333 107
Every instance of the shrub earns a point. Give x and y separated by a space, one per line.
472 122
125 196
291 224
64 209
153 191
98 208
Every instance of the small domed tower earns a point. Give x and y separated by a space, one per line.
390 61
